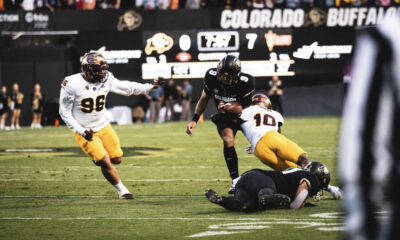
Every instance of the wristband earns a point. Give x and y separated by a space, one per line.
196 117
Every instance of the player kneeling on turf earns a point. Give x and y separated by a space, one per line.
259 190
82 107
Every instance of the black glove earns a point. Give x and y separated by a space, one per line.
158 82
88 135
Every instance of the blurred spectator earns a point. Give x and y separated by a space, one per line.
28 5
66 4
258 4
212 3
275 93
37 101
127 4
3 107
163 4
114 4
50 4
186 95
2 5
369 149
192 4
139 111
156 98
87 4
16 99
12 4
241 4
292 3
171 95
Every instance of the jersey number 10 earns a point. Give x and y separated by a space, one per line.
89 104
266 119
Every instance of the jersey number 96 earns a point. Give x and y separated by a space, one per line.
90 104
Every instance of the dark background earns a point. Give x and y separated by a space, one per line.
315 90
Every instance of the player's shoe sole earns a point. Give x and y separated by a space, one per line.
212 196
275 201
127 196
336 192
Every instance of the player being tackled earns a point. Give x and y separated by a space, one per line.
82 107
262 127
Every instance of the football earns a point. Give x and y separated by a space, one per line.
234 108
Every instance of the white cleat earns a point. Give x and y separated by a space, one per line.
336 192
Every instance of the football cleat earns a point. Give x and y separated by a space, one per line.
212 196
336 192
275 201
127 196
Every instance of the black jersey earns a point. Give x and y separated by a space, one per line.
288 181
240 90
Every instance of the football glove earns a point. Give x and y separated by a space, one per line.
248 149
158 82
88 135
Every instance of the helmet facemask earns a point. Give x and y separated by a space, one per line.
228 69
94 66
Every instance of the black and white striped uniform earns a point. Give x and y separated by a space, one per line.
369 146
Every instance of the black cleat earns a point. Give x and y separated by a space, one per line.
127 196
213 197
275 201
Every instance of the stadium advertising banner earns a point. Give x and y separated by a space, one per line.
307 45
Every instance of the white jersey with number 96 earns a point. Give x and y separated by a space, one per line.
258 120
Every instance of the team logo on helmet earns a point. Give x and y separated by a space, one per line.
261 99
94 65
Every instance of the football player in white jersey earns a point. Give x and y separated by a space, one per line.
82 107
261 126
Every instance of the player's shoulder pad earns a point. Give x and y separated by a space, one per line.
72 81
246 79
210 78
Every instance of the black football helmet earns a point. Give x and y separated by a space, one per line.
94 66
228 68
321 171
261 99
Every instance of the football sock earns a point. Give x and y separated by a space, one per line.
231 160
121 189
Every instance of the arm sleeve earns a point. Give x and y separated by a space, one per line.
66 104
128 88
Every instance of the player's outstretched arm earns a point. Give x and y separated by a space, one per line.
301 196
128 88
200 107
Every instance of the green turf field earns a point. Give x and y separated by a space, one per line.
61 194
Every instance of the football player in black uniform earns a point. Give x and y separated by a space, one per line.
226 83
259 190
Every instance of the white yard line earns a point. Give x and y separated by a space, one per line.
125 180
97 197
272 221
